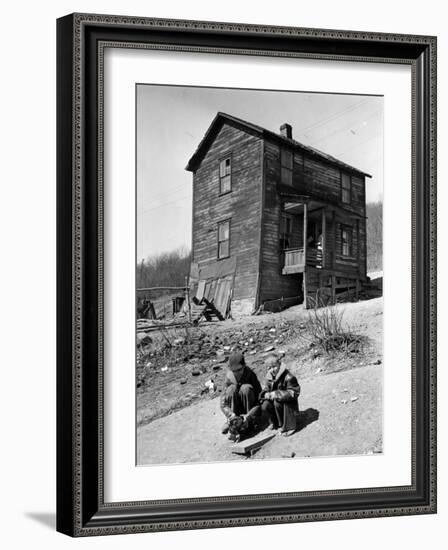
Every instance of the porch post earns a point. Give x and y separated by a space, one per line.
357 245
334 239
324 236
305 225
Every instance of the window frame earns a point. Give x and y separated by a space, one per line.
220 223
221 178
289 169
349 188
350 232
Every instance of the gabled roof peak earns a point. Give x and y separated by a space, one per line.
284 138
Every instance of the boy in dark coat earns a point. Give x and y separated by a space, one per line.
279 397
241 391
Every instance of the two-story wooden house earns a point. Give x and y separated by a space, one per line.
273 218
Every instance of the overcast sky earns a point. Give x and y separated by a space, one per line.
172 120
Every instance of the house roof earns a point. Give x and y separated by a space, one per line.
222 118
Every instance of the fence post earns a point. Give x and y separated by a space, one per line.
187 293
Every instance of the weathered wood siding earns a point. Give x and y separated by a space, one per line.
273 284
321 181
242 206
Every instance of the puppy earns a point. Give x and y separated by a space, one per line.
241 427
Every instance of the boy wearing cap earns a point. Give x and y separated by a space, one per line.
242 389
279 397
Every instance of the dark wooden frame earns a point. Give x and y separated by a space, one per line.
341 173
225 157
229 220
81 39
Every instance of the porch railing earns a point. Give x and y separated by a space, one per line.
295 258
314 257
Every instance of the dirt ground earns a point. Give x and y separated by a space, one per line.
344 411
340 403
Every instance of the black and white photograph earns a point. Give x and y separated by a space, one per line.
259 310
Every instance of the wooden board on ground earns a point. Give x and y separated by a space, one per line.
250 445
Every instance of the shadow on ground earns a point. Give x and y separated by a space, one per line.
306 418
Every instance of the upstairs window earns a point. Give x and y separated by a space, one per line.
346 184
286 163
225 176
223 239
347 240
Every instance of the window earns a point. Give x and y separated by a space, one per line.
286 162
347 241
346 183
298 159
285 231
225 170
224 239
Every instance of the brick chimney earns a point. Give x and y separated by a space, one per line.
286 130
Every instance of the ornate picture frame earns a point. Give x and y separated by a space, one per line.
81 506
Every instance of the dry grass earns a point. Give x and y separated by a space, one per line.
327 330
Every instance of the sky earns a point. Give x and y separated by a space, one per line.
172 120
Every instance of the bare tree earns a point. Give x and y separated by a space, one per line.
165 269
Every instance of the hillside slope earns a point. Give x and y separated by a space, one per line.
340 403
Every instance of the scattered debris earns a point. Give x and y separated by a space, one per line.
269 348
179 341
344 401
291 455
164 369
354 399
210 385
143 339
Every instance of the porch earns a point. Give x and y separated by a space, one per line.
317 235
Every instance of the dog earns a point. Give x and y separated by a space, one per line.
242 427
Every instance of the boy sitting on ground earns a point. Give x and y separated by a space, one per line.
279 397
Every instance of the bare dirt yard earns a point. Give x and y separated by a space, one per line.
179 420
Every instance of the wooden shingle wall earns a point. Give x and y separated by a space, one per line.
273 284
241 206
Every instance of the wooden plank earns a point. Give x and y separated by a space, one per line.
200 291
252 444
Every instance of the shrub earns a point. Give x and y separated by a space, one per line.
328 331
